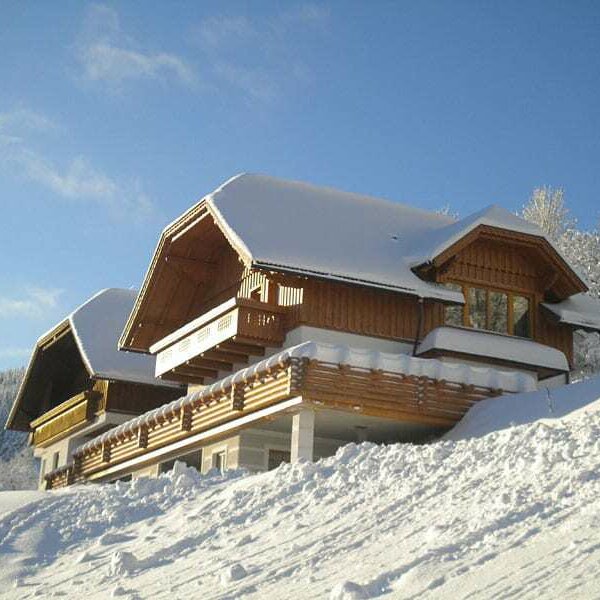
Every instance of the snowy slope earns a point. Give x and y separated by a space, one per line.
514 513
18 468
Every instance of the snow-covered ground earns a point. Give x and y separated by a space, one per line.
508 510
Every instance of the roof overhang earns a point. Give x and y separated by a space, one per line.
580 311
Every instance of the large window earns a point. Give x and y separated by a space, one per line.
492 310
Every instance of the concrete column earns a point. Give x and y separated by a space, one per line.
303 434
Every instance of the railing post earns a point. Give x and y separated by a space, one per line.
237 397
106 452
142 437
185 418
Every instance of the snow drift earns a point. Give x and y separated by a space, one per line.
514 513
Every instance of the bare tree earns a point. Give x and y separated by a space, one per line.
546 208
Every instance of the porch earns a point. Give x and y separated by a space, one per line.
297 383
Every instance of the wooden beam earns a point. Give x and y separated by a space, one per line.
169 376
240 348
223 355
195 372
208 363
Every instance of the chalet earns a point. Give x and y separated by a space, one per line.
302 318
78 384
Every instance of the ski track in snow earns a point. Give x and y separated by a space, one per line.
512 514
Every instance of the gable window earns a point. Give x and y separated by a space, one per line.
491 310
521 316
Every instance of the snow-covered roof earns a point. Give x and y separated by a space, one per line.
340 355
439 240
580 310
340 235
495 346
299 227
96 326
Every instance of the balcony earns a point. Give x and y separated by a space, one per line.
223 337
65 417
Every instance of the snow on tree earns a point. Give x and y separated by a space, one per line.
546 208
18 467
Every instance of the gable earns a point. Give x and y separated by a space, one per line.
509 260
193 266
56 372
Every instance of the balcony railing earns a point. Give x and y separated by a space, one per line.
63 418
217 340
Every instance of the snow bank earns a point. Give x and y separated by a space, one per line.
496 414
515 513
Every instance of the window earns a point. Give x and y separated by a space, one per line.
498 307
477 308
276 457
55 458
454 313
521 324
492 310
218 460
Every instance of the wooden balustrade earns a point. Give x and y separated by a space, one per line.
227 334
66 416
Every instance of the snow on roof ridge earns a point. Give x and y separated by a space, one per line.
343 355
492 215
328 188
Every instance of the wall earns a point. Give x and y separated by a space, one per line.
256 443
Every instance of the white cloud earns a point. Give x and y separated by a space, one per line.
24 118
305 14
256 55
256 83
218 30
35 302
108 55
77 179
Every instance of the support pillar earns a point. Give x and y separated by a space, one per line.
303 434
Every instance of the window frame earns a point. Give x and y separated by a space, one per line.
215 455
465 287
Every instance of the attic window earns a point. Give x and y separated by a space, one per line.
491 310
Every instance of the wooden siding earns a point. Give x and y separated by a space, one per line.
356 309
62 419
399 397
103 396
490 263
135 398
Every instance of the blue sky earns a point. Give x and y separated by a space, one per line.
116 117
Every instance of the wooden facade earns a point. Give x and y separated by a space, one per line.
102 396
405 398
197 268
207 307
